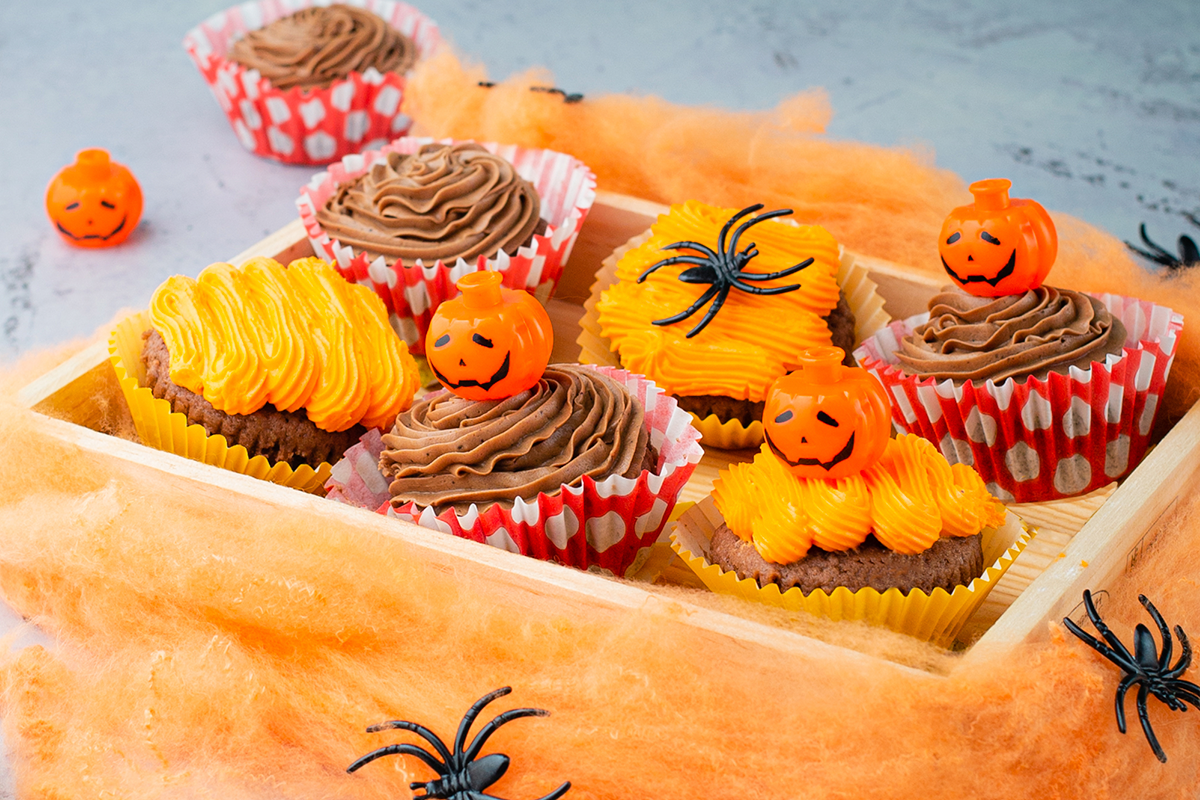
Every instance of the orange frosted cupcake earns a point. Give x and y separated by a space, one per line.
835 518
290 366
716 304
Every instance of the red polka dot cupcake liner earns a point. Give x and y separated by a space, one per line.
1034 440
606 525
565 186
316 126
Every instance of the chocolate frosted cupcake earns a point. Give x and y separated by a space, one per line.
1044 330
306 83
451 452
412 218
443 203
316 46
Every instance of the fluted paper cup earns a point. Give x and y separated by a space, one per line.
1031 439
936 617
314 126
605 525
163 429
565 186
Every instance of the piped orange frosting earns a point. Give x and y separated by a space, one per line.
753 339
295 337
909 499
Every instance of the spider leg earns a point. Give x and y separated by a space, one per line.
1100 647
770 276
468 720
1105 631
783 212
1145 719
725 229
1164 631
420 730
687 312
666 262
712 312
1156 253
400 750
708 251
486 731
557 793
1122 688
764 290
1185 657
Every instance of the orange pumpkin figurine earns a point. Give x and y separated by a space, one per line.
491 342
998 245
826 420
94 202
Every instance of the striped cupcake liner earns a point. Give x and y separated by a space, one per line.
316 126
1034 440
565 186
605 525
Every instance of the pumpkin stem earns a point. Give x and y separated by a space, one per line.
481 289
822 364
991 194
94 163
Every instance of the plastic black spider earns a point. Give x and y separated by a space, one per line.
1152 671
461 775
1189 254
723 269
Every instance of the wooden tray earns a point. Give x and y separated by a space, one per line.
1082 543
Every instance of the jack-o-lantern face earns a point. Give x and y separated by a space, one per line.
998 245
825 420
94 202
491 342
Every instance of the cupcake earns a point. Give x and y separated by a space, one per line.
714 305
309 83
567 463
1048 393
414 217
279 368
835 517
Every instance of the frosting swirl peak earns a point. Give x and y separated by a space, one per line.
316 46
1044 330
444 202
449 451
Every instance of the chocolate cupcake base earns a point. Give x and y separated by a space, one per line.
281 436
951 562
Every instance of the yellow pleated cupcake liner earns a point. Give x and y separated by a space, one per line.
936 617
861 295
163 429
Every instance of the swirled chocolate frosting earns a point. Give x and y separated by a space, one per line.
443 202
1044 330
448 451
317 46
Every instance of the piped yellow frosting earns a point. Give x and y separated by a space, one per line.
294 337
753 339
909 499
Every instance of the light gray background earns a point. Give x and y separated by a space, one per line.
1092 107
